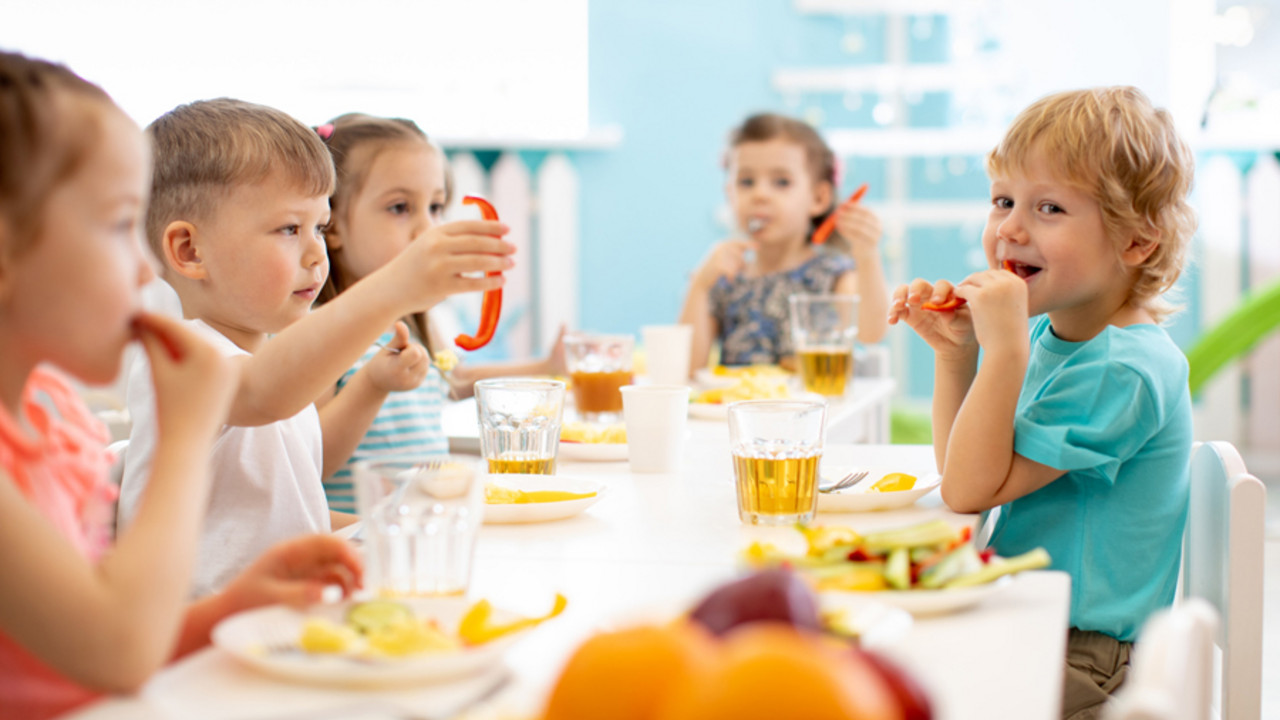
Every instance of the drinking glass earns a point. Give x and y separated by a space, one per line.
776 445
421 517
823 328
520 424
599 365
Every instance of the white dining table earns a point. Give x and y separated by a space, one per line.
645 552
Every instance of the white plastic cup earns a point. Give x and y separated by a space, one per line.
666 349
657 418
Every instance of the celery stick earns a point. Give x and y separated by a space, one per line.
1032 560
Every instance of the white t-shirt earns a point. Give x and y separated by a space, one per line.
265 480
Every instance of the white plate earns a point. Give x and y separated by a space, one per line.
541 512
592 452
246 634
920 602
878 625
859 498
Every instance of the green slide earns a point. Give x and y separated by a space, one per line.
1256 316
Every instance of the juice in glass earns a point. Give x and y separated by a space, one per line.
826 371
784 488
599 392
522 463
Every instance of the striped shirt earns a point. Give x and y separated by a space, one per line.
408 421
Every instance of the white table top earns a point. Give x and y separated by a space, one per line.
647 550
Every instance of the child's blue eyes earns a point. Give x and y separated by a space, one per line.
1004 203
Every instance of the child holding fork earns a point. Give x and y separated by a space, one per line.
1078 431
781 187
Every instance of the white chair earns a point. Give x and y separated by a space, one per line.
1172 675
1222 563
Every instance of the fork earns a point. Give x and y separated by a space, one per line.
847 481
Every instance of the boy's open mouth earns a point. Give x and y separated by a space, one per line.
1022 270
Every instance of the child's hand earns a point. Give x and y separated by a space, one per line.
400 365
998 299
727 259
433 266
194 382
949 333
861 227
296 572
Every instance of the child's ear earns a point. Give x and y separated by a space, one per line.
822 194
181 250
332 237
1139 247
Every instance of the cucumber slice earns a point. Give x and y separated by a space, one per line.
961 561
1032 560
376 615
897 571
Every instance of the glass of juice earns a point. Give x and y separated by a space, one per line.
421 517
776 446
599 365
823 328
520 424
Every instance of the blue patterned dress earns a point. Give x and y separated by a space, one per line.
755 315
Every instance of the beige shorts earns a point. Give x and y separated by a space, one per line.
1097 665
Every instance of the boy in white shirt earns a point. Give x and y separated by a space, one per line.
238 206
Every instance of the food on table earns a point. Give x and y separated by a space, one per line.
498 495
477 626
387 629
748 387
911 697
445 360
776 595
580 432
756 671
894 482
628 674
491 304
927 556
824 230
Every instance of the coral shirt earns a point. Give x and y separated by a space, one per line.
60 464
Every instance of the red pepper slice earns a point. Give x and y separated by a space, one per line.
954 302
824 230
491 305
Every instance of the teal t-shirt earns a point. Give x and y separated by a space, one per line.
1115 413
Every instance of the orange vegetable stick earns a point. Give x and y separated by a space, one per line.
824 230
954 302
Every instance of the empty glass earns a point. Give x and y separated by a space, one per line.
520 424
421 518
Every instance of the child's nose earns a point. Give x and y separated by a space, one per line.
1012 228
315 252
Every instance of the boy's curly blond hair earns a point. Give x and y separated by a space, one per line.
1114 144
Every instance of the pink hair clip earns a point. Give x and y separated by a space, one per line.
325 131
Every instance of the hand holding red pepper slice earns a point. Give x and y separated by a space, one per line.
824 230
491 305
954 302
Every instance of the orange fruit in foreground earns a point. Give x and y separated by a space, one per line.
768 671
624 675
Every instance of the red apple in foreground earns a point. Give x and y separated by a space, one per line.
777 595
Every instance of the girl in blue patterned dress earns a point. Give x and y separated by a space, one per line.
393 186
782 185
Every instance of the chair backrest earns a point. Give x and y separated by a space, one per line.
1173 663
1222 563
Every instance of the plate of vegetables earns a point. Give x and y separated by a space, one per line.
925 569
376 642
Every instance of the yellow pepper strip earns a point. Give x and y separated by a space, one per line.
498 495
475 628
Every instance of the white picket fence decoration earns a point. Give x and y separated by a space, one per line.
1240 218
